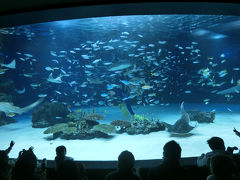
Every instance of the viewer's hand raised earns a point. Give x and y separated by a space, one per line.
12 143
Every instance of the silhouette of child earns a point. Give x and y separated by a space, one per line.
170 169
61 152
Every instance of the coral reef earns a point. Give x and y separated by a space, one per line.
56 128
105 128
201 117
121 125
75 116
131 130
84 125
62 127
139 124
78 130
72 124
4 120
81 125
93 117
49 114
90 123
88 118
144 125
89 128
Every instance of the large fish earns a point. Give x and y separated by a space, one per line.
119 67
94 81
234 89
8 107
181 125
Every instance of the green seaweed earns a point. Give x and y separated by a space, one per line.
124 110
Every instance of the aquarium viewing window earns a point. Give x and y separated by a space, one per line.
104 83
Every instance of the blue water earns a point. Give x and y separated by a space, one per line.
181 57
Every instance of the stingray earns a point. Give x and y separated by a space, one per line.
181 125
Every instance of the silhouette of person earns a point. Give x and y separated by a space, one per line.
26 166
70 170
125 169
61 152
217 146
5 168
10 147
223 167
170 168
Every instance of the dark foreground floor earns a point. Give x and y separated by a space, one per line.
99 174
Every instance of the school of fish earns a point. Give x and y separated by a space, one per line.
93 71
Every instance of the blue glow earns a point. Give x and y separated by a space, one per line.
222 55
64 24
218 36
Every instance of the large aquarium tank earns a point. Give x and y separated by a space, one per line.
101 85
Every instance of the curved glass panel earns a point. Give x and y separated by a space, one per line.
103 85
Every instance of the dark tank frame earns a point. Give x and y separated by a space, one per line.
14 13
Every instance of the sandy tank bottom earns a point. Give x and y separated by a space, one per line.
142 146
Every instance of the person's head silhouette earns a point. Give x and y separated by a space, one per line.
216 143
172 151
126 161
61 151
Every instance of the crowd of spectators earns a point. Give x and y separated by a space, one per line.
223 164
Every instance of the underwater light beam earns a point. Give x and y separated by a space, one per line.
64 23
218 36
